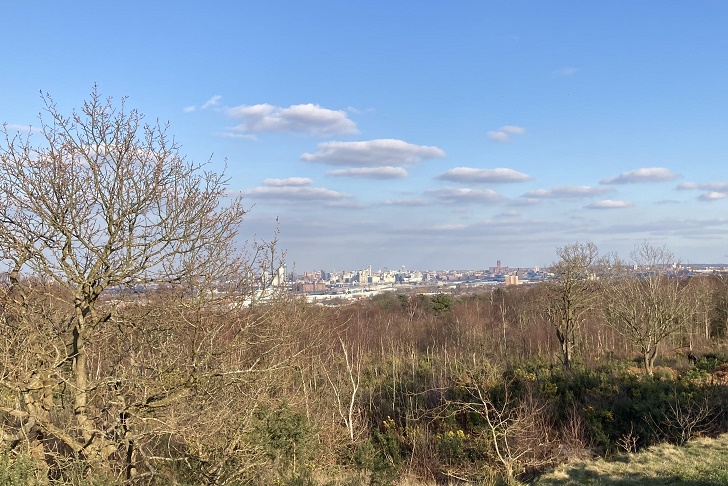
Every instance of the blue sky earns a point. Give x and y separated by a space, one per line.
435 135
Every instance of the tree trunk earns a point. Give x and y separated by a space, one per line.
566 351
80 381
649 360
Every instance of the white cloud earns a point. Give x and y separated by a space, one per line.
291 181
371 172
504 133
689 186
648 174
714 191
468 174
508 214
293 189
668 226
345 204
526 201
464 195
567 192
294 192
11 127
189 109
214 101
305 118
244 136
713 196
407 202
372 153
503 229
610 204
708 186
449 227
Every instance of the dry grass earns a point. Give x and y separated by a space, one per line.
701 462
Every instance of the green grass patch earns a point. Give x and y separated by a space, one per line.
701 462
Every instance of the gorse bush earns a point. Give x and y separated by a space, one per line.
19 470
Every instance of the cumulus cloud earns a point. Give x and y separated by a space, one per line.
566 192
212 102
468 174
464 195
713 196
371 172
610 204
713 190
505 133
294 189
689 186
304 118
372 153
648 174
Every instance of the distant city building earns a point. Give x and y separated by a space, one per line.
309 287
279 278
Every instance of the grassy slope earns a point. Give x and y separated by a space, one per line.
701 462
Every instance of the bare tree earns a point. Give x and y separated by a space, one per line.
571 293
647 301
719 315
514 427
346 399
701 293
102 204
686 418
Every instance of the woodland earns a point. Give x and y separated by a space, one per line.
141 342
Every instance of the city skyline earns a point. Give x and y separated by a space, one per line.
430 136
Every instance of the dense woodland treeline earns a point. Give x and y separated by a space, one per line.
135 347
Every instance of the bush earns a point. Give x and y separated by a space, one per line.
19 470
288 440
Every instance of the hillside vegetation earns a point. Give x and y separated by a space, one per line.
433 388
142 343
